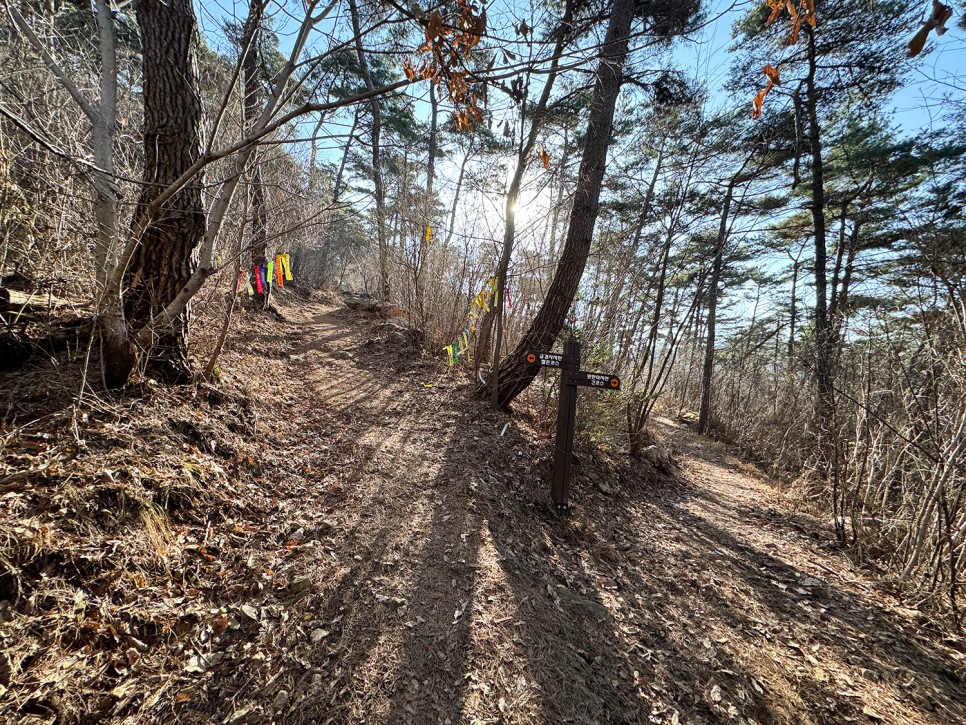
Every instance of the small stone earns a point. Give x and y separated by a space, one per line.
280 701
300 585
656 455
196 665
318 635
324 526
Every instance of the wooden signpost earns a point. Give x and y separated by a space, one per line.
572 377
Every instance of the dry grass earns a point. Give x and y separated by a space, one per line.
158 531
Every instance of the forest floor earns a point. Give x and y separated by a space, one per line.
336 532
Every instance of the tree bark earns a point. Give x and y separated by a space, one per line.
823 369
456 195
793 312
163 263
707 372
338 185
251 111
377 182
517 374
433 143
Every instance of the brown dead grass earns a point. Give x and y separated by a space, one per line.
335 533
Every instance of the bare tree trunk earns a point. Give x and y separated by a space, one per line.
431 162
117 356
377 181
338 185
456 194
704 415
618 291
117 353
823 370
102 142
793 312
231 299
252 108
549 320
163 261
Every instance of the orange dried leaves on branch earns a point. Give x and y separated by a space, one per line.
937 19
543 155
799 14
759 101
451 37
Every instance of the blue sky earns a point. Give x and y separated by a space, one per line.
704 56
936 86
935 89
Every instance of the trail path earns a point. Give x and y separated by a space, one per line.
433 585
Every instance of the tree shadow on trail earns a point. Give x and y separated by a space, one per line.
458 595
498 625
853 634
591 638
429 681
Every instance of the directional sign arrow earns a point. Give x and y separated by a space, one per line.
594 380
550 360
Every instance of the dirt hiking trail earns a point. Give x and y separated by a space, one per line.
420 577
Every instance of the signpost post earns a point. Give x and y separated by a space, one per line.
571 377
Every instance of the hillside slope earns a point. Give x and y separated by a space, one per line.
337 534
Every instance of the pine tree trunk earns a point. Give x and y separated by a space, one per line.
252 109
793 313
516 374
338 186
433 144
163 261
823 369
707 373
378 189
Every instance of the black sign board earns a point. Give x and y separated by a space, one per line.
549 360
573 376
595 380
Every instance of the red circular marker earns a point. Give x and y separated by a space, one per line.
531 358
614 382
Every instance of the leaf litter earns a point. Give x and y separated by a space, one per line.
336 532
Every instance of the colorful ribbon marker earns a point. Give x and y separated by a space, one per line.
279 275
483 300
